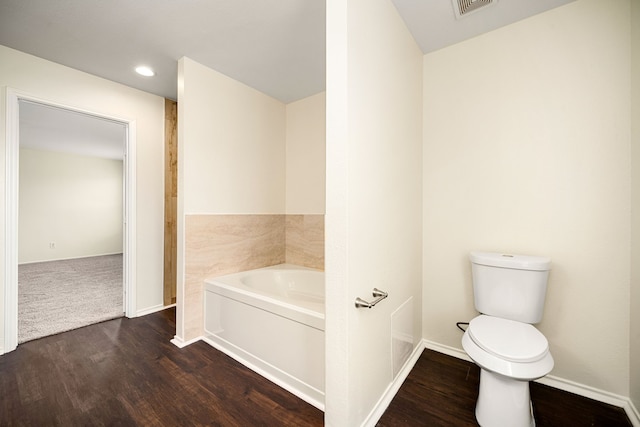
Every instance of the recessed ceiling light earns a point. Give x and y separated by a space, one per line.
145 71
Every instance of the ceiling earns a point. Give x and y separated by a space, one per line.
274 46
434 25
48 128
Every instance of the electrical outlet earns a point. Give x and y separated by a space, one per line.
52 245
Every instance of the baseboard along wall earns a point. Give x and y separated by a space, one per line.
551 381
559 383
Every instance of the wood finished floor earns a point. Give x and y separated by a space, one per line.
125 372
442 391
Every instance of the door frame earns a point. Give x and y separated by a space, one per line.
12 149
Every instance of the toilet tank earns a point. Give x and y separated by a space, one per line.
510 286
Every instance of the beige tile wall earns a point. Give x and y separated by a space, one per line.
224 244
305 240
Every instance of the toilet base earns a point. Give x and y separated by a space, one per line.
503 402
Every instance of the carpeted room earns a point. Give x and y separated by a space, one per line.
70 234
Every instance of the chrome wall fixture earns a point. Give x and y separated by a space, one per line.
380 295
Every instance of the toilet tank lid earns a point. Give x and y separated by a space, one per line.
519 262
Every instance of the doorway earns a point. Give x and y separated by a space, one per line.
19 103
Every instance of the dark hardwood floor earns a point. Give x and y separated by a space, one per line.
442 391
125 372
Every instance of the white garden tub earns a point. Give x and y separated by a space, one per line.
272 321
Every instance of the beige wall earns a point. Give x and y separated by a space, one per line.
635 209
373 219
232 150
305 181
73 201
526 150
65 86
305 155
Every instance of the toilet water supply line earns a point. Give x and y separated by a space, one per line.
458 324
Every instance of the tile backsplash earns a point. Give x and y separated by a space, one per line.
305 240
223 244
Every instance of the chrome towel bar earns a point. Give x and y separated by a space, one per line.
380 295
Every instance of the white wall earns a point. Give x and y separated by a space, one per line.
232 145
247 152
373 219
62 85
635 209
526 150
305 155
71 200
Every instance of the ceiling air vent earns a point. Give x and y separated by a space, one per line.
466 7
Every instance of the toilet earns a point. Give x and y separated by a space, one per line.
509 292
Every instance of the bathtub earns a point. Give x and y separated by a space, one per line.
272 321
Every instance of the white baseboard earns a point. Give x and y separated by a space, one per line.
583 390
632 413
595 394
180 343
445 349
69 258
153 309
388 395
386 398
301 390
293 385
559 383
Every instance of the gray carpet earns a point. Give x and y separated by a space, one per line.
58 296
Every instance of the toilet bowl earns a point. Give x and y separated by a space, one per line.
509 354
509 291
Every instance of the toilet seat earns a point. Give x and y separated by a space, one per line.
508 339
532 364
